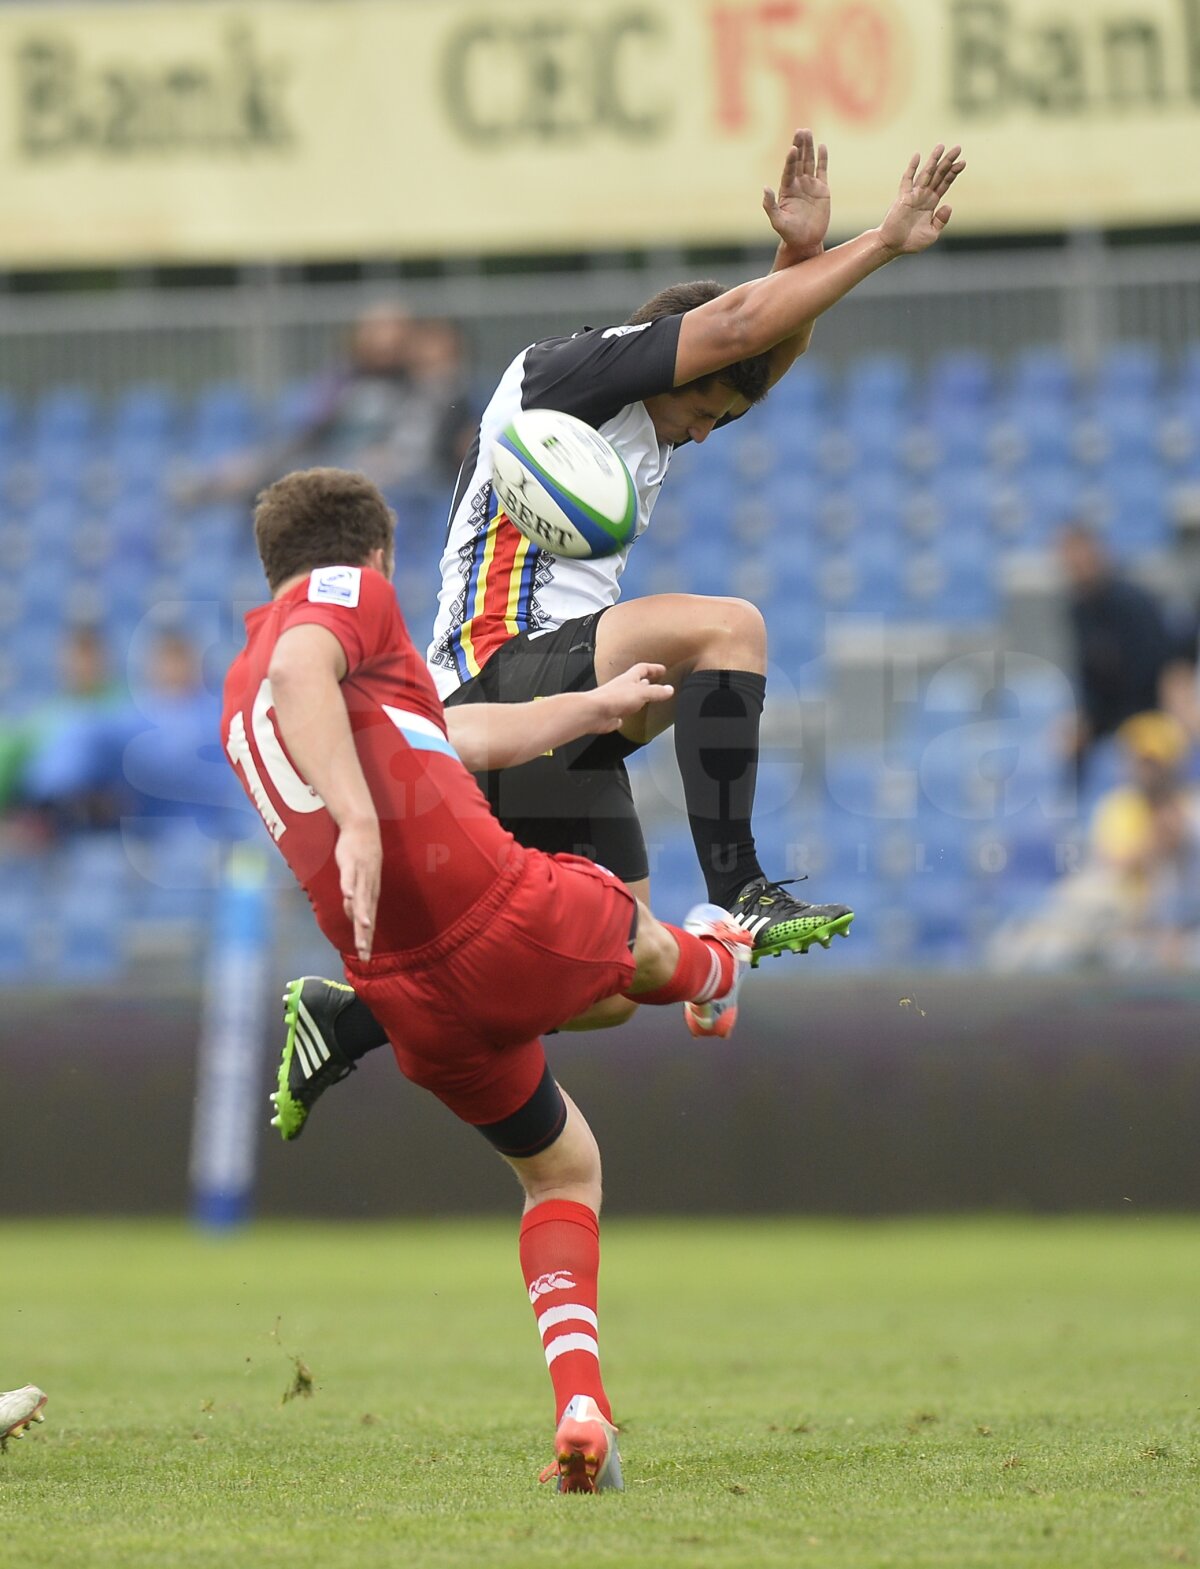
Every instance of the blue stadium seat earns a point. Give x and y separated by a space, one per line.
10 423
225 420
986 771
175 871
1043 373
63 471
877 382
1036 694
136 521
22 911
795 636
127 585
709 501
960 437
1188 380
145 413
955 583
869 582
39 588
65 415
793 497
852 786
1044 428
877 495
953 695
205 575
708 560
1051 495
800 406
1130 428
960 380
1129 369
967 498
140 469
1139 517
878 436
221 529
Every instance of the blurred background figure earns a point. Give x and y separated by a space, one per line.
172 766
399 410
1126 646
1134 902
60 765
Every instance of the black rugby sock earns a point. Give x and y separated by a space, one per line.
358 1031
717 714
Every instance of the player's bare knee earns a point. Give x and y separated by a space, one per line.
745 633
730 635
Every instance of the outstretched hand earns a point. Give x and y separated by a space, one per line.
627 694
800 214
917 217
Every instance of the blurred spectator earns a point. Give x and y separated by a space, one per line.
1123 642
61 763
400 411
1136 899
172 761
97 758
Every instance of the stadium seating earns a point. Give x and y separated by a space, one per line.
881 489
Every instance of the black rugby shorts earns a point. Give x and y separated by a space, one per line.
578 799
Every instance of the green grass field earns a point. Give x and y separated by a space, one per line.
984 1393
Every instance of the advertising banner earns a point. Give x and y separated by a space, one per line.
303 129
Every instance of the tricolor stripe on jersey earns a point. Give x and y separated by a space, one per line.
499 592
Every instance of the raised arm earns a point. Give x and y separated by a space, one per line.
757 316
501 735
800 217
306 671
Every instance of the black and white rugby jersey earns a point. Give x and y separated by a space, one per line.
495 582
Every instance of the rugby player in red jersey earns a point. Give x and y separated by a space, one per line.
465 945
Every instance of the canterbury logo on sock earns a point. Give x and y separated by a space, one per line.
556 1280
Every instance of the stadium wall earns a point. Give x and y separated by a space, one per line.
840 1096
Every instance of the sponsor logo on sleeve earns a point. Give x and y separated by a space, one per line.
335 586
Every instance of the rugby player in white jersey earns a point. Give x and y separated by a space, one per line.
516 623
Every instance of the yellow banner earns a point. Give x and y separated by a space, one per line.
295 129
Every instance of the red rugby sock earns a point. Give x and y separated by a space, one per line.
704 971
560 1259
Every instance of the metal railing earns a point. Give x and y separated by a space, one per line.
266 331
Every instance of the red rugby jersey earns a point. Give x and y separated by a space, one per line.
442 848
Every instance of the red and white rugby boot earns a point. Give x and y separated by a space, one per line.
718 1016
585 1446
18 1408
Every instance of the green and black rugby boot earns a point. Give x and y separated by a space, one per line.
780 924
312 1060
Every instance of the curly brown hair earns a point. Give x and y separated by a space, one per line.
320 518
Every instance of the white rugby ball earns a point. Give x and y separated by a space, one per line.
563 485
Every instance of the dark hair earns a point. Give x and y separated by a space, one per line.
749 377
320 518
